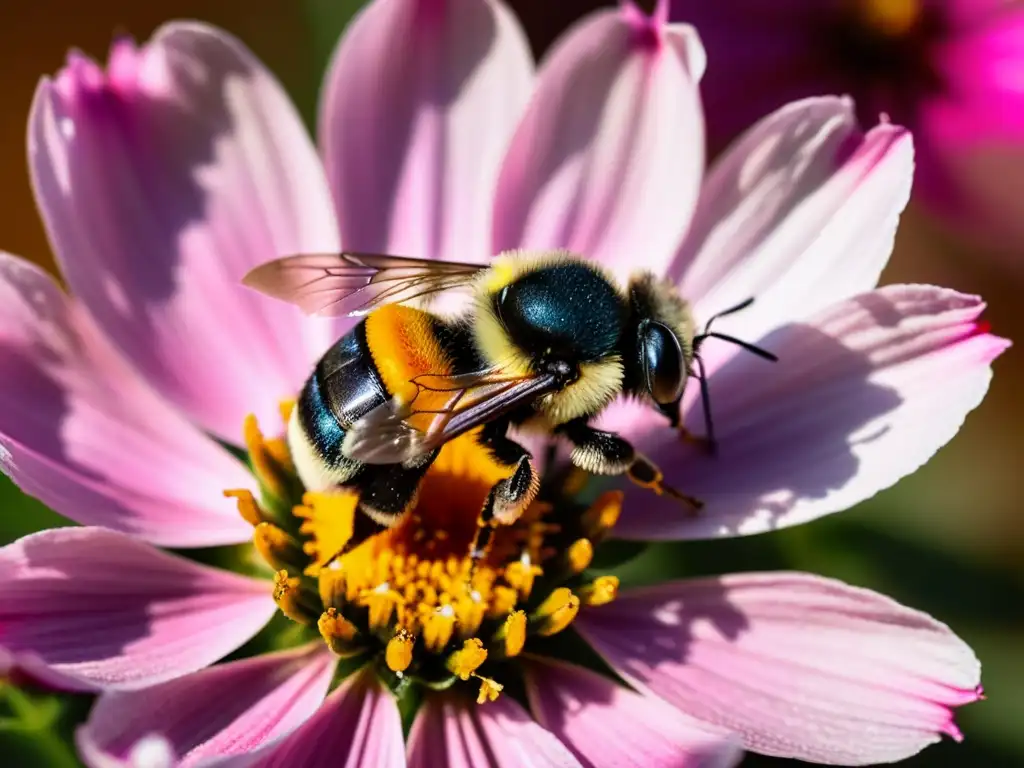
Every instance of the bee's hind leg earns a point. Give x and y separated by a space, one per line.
605 453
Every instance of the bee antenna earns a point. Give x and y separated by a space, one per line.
701 373
753 348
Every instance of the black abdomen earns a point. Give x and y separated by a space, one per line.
344 387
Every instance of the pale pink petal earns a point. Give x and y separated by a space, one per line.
458 733
608 159
162 181
357 727
863 394
151 751
800 213
606 724
795 664
80 430
228 709
108 611
420 101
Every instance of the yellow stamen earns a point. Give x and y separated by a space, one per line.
579 556
327 519
288 598
285 408
331 584
556 612
513 633
602 515
601 591
248 507
271 461
489 690
521 575
467 660
398 655
891 17
276 547
339 633
503 600
438 628
469 614
382 603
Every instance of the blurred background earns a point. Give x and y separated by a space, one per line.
949 540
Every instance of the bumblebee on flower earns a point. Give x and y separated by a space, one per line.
109 401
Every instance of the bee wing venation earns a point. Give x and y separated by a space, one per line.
334 284
386 436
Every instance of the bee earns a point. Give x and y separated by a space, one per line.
547 342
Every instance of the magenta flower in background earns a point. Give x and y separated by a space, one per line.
165 177
949 70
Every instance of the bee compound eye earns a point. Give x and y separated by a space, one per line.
662 362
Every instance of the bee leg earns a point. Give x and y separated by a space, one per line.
510 497
605 453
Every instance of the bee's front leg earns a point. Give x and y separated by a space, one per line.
605 453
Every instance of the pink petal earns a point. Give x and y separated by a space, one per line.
800 213
421 99
606 724
268 696
608 159
797 665
162 181
458 733
357 727
104 610
862 395
151 751
82 432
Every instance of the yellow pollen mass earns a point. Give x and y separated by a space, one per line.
514 633
467 660
557 611
603 514
602 591
398 655
489 690
580 555
339 633
287 596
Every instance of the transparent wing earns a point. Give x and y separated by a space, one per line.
332 284
443 408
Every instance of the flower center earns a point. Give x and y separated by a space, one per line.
412 596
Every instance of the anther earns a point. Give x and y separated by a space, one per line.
521 575
556 612
331 584
339 633
467 660
490 690
288 596
579 556
438 628
398 655
602 515
248 507
382 603
278 548
271 461
513 633
601 591
503 600
469 615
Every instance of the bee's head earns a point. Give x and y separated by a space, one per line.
658 342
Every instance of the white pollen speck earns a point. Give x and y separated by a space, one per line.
525 558
446 610
382 589
475 596
335 565
67 128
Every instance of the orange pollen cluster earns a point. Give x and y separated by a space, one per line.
412 595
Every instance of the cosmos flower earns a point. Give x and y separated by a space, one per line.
946 69
166 176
